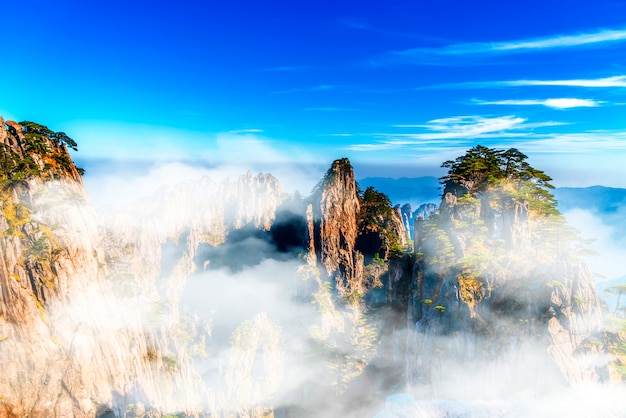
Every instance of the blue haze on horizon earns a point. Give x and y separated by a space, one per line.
398 86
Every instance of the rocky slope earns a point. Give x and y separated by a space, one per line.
93 322
90 320
68 348
345 227
495 279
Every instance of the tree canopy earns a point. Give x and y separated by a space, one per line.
482 169
42 153
36 131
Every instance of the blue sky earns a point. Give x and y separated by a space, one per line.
396 86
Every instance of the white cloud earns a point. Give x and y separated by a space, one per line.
523 45
441 134
606 82
560 103
444 129
608 261
246 131
616 81
141 159
576 143
470 126
576 158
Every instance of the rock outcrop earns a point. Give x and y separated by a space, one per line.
69 345
485 291
349 229
91 320
335 211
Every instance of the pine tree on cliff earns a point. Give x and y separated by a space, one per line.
483 169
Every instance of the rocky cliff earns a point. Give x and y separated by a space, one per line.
495 280
491 304
70 346
335 209
347 229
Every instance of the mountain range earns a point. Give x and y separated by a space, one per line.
233 298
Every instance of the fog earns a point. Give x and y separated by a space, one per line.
606 242
251 325
272 335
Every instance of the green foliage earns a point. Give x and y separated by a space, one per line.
479 167
341 166
35 131
40 153
377 215
17 215
38 249
554 283
553 236
171 364
484 169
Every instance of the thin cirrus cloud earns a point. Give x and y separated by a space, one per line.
447 132
616 81
606 82
560 103
447 136
597 38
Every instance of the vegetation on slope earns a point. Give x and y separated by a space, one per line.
36 152
496 216
482 170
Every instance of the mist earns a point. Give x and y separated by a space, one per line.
211 303
607 244
267 335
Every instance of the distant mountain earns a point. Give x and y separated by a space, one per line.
608 203
598 199
415 191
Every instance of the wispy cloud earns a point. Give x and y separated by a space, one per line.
469 126
454 131
246 131
560 103
577 142
616 81
596 38
606 82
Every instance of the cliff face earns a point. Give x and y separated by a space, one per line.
335 210
91 318
481 279
159 237
410 217
349 229
69 345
